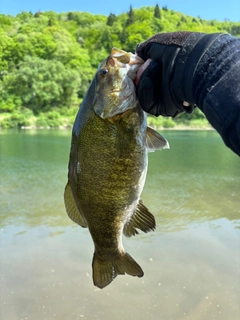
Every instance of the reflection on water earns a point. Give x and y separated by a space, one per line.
191 262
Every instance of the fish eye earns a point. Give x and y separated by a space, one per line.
103 71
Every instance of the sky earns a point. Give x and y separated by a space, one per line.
206 9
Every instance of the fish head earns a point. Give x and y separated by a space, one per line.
115 90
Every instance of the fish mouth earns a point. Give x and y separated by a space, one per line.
123 59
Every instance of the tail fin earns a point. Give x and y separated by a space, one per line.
105 270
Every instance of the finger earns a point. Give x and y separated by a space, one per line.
141 70
148 88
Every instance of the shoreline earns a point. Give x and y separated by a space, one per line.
184 128
175 128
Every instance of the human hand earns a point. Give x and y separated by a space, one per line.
164 81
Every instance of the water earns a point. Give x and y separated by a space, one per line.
191 262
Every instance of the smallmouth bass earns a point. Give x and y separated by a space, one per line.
108 164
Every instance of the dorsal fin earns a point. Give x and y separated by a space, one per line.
71 207
141 219
155 141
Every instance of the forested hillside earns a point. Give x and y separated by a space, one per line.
47 60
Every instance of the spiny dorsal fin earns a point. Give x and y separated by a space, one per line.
155 141
141 219
71 207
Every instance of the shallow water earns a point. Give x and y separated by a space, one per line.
191 262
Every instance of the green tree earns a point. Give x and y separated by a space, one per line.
123 36
24 17
130 19
235 30
5 40
70 16
35 44
111 19
6 22
43 84
37 14
106 40
157 13
69 51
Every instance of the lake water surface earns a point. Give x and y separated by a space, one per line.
191 262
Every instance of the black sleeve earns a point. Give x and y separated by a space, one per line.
216 89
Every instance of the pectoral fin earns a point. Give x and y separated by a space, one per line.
142 219
71 207
155 141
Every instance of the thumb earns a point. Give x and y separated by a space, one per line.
141 70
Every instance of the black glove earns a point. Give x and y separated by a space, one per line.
165 87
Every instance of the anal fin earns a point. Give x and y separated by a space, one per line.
142 219
155 141
71 207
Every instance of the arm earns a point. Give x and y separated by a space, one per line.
190 69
